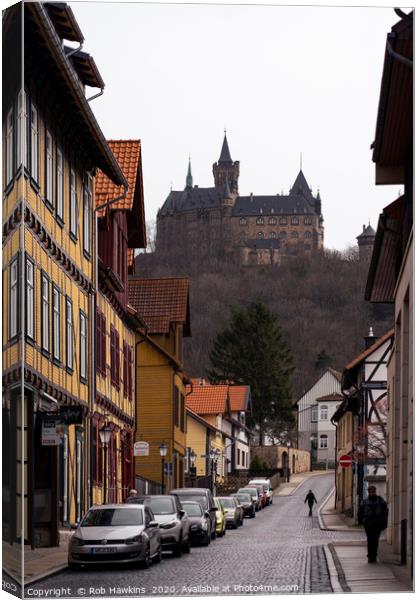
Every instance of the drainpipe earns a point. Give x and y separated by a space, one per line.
96 95
94 306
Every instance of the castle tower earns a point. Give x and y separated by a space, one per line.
226 168
189 178
365 241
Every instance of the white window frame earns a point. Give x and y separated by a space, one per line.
21 124
9 146
69 334
34 142
323 413
56 322
45 308
30 298
49 167
322 439
83 346
73 203
14 292
59 205
87 212
259 221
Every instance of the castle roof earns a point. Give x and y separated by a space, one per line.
193 198
225 153
272 205
301 187
367 232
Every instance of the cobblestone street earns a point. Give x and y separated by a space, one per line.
280 551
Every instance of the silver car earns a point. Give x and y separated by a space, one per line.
116 533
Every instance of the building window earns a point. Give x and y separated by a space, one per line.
73 204
115 358
243 221
294 221
314 413
21 130
9 146
56 323
69 334
83 346
130 373
45 312
238 457
323 412
295 234
260 235
283 221
308 234
307 221
48 168
14 296
59 204
100 343
260 221
272 234
87 211
30 298
34 143
323 441
176 406
127 379
272 221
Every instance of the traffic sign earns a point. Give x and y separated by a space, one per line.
345 461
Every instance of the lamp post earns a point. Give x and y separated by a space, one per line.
288 444
105 437
163 449
212 455
193 470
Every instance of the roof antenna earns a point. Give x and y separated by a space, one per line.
301 161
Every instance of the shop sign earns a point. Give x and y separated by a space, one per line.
141 449
71 415
52 431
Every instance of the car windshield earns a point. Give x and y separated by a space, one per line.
112 517
251 491
193 510
243 497
161 506
196 498
227 502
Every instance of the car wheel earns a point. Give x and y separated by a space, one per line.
224 530
235 524
186 546
147 561
178 548
158 557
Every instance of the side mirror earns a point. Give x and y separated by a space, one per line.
73 526
153 524
207 514
181 513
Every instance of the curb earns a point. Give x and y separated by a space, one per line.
45 574
334 562
320 518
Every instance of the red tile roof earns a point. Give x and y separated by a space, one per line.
127 154
356 361
207 399
334 396
239 396
161 302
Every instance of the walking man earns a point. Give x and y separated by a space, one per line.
373 514
310 499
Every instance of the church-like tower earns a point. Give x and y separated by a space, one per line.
226 169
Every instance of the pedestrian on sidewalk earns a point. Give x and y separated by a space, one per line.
310 499
373 514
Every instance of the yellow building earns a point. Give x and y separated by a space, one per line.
121 228
52 146
163 304
201 437
343 419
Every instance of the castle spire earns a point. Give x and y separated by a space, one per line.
225 153
189 178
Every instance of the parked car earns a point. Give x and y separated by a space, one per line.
205 498
200 524
261 493
173 521
116 533
247 504
253 492
220 518
267 488
233 511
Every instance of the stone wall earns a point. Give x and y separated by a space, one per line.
275 457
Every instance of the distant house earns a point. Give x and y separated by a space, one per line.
316 434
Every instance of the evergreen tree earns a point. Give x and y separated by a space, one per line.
252 351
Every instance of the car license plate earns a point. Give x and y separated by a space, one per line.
102 550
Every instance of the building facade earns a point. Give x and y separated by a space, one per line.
218 221
52 148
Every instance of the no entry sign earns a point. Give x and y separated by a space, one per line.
345 461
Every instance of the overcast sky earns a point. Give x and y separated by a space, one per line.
283 80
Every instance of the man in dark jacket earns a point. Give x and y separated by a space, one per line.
310 499
373 514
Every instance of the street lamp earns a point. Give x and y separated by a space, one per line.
288 444
163 449
105 437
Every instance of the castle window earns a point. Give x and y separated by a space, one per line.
282 235
295 234
272 221
260 235
272 234
283 221
307 221
260 221
308 234
295 221
243 221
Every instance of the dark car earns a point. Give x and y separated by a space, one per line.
205 498
253 492
247 504
173 522
200 525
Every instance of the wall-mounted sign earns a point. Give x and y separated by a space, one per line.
141 449
52 431
71 415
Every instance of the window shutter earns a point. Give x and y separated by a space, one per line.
117 359
125 370
98 341
112 355
130 373
103 353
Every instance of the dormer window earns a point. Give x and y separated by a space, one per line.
243 221
260 221
295 221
